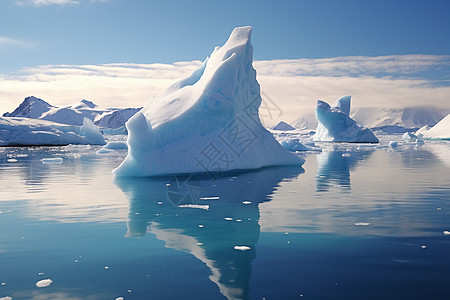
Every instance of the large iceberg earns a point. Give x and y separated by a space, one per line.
440 131
25 131
335 125
207 122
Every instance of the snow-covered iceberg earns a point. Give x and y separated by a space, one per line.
335 125
440 131
207 122
25 131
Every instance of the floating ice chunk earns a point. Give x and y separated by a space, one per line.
292 144
6 298
11 160
346 155
209 198
335 125
116 145
119 298
103 151
228 219
215 109
200 226
247 202
408 136
44 283
52 160
242 248
446 232
199 206
423 247
362 224
106 268
393 144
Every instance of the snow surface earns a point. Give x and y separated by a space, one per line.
24 131
207 122
335 125
440 131
74 114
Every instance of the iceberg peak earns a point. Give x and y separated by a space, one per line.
207 122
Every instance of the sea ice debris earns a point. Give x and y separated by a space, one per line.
44 283
242 248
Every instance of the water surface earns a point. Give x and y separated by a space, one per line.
356 222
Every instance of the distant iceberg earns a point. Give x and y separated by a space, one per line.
24 131
283 126
207 122
440 131
335 125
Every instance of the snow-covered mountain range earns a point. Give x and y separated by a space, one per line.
35 108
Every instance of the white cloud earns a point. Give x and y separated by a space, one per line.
46 2
294 85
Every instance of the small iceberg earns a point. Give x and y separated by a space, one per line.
335 124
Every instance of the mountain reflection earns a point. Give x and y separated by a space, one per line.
206 216
333 167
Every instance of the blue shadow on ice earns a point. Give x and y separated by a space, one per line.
216 219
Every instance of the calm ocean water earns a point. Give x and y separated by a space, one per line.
354 223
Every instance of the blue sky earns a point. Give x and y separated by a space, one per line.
36 33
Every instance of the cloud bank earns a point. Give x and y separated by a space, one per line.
290 86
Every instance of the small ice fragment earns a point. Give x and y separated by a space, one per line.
129 291
41 273
76 260
247 202
119 298
3 283
238 220
242 248
423 246
159 203
200 226
286 233
106 268
439 208
209 198
52 160
199 244
6 298
103 151
44 283
229 219
393 144
288 242
11 160
167 184
362 224
205 207
346 155
446 232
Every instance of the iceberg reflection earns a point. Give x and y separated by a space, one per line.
334 165
207 217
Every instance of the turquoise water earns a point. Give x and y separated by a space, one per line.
354 223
